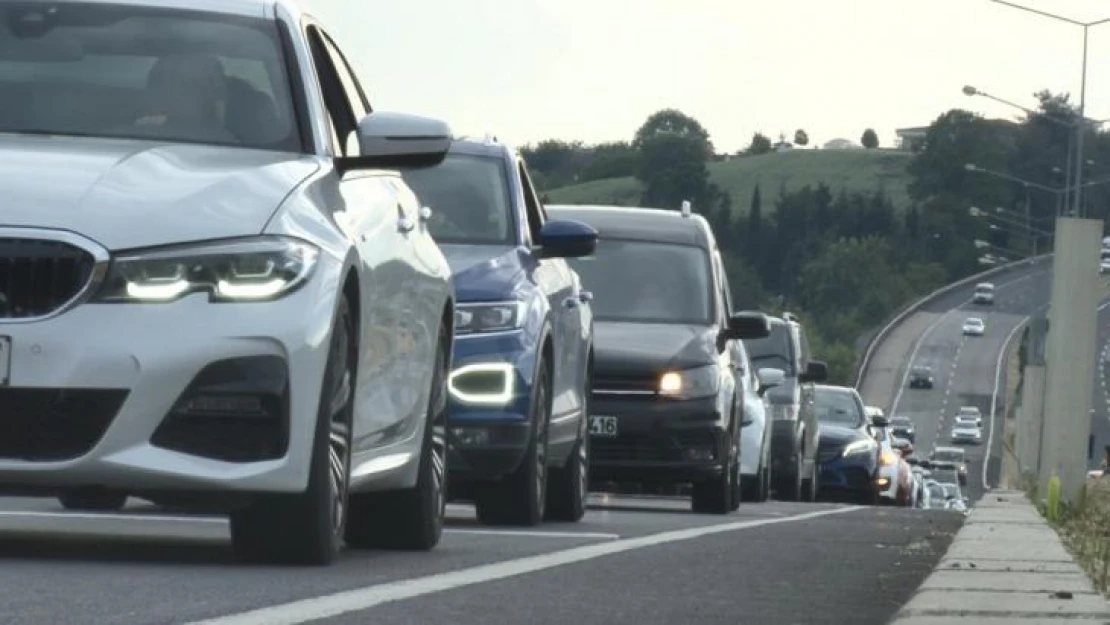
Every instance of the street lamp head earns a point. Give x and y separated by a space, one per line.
969 90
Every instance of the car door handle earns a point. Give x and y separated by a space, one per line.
585 297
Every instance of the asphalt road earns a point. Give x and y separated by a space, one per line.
631 560
966 368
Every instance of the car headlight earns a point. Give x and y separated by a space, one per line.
859 448
690 383
235 270
490 317
888 457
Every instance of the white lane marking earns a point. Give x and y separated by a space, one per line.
929 330
368 597
998 369
537 534
168 518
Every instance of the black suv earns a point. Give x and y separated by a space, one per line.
903 428
667 397
795 432
921 377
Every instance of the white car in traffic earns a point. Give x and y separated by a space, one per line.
216 293
966 433
970 412
974 326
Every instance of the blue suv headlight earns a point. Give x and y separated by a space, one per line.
488 317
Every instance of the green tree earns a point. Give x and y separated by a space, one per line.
674 150
869 140
611 160
800 137
760 144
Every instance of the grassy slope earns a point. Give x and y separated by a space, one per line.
851 170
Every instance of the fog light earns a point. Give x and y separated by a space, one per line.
468 437
482 383
882 481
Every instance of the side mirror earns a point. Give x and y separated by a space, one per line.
769 378
907 451
880 421
564 238
817 371
398 140
748 325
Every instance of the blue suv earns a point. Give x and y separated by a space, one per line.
517 438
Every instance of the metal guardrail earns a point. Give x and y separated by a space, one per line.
880 336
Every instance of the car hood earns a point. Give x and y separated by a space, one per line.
129 194
635 349
485 273
839 435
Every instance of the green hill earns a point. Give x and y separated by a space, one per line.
851 170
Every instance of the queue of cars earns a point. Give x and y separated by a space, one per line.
328 321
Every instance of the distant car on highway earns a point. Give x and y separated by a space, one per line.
974 326
970 412
518 438
951 457
755 436
668 399
984 293
933 495
848 454
903 427
894 472
210 300
945 473
954 498
796 433
921 377
966 434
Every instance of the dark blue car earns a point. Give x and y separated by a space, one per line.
517 436
847 452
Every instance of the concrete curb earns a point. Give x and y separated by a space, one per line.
878 337
1006 565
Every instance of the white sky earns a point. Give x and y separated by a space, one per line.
595 69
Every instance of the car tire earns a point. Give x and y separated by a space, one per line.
411 519
809 485
714 496
521 497
307 528
568 487
93 501
789 486
764 483
735 479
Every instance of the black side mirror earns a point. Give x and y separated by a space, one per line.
564 238
817 371
748 325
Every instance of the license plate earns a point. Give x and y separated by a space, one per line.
603 426
5 360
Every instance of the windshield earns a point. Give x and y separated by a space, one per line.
773 350
945 475
836 407
936 490
647 282
104 70
947 456
951 490
469 198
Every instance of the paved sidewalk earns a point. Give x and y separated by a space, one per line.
1006 565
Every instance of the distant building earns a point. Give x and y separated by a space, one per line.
911 139
841 144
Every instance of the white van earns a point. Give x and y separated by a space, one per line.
984 293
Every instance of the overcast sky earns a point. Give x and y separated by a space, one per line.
595 69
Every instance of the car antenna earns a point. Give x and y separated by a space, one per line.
687 208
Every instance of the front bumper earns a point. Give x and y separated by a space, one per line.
659 440
487 440
854 473
100 395
887 481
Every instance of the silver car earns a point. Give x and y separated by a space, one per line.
215 293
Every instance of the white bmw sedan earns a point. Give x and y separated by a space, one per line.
214 291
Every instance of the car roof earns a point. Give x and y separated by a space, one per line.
248 8
969 408
974 319
944 448
985 284
644 224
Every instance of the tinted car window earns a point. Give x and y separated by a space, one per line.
135 72
647 282
469 199
837 407
774 350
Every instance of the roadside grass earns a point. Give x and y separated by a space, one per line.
862 171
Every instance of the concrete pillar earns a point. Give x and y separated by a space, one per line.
1027 436
1071 349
